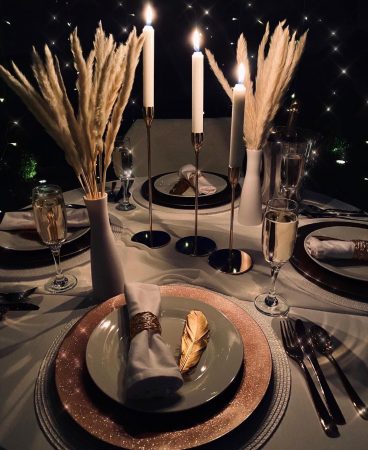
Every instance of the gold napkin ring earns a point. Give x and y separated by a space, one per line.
144 321
360 250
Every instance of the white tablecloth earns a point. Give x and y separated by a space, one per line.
25 337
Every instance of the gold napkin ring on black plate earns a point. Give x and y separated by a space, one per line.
360 250
144 321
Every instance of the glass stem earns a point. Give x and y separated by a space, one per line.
55 251
125 199
271 299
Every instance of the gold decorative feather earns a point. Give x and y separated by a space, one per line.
194 340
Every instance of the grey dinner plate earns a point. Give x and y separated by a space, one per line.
219 364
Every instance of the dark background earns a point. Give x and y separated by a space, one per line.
331 83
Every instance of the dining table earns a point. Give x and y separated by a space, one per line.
287 418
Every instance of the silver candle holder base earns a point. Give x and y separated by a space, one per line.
151 238
229 260
196 245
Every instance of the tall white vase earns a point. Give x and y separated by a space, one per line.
250 208
106 267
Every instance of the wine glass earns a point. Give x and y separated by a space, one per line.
123 167
50 217
280 224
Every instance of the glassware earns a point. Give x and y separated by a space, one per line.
287 157
292 168
123 168
50 217
280 223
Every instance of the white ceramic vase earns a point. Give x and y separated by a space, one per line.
250 207
106 268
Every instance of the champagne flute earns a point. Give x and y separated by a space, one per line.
292 168
50 217
123 167
280 224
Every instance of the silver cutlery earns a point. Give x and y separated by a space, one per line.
293 349
5 307
309 353
16 296
314 209
323 344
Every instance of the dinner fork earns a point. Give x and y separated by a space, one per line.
293 349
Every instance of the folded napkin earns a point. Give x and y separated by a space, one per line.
24 220
151 369
330 249
204 186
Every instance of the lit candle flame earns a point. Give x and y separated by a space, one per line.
196 40
149 14
241 73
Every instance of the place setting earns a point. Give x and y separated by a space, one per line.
21 244
334 255
208 400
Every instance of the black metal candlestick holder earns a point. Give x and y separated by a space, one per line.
228 260
196 245
151 238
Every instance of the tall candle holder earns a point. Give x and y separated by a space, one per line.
151 238
229 260
196 245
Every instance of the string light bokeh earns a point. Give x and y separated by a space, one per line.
330 85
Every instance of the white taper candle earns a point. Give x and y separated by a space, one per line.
148 60
237 122
197 85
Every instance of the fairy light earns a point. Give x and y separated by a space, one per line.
2 100
7 22
341 162
206 12
260 21
14 144
333 33
328 108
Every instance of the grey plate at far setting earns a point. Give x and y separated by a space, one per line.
217 368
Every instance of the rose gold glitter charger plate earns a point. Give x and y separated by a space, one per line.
112 423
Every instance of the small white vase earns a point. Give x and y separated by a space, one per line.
106 268
250 208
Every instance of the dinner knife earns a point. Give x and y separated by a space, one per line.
18 307
309 352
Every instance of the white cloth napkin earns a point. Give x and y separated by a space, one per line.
330 249
151 369
24 220
204 186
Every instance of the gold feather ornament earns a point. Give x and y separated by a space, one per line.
194 340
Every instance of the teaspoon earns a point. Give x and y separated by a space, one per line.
322 342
